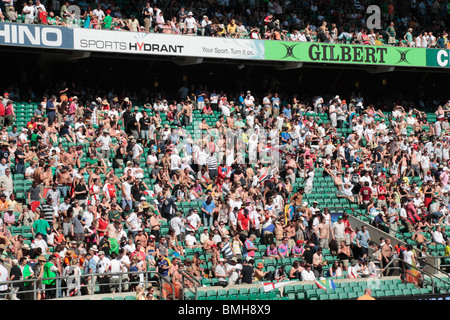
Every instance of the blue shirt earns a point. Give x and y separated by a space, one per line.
209 208
91 265
363 238
287 112
247 245
200 98
283 249
276 102
50 107
270 228
285 136
241 100
162 263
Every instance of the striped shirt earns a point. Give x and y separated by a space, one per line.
212 163
226 250
48 211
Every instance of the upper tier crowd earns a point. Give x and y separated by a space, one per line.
411 23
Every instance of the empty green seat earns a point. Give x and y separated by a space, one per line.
211 293
324 296
343 295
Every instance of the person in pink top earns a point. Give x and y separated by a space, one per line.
10 116
444 176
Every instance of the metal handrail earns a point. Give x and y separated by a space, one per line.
58 288
439 270
163 279
186 276
430 275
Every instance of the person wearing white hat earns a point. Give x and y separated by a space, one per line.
105 143
221 273
191 24
205 21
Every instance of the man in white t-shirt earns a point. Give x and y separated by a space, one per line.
104 142
38 5
308 274
152 159
193 221
137 151
175 161
191 24
98 12
191 241
29 12
333 114
425 162
133 223
309 181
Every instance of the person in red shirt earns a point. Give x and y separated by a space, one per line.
412 217
348 228
102 225
43 15
243 223
2 115
109 190
365 194
32 125
381 195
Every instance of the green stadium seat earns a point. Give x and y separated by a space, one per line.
253 296
352 295
407 292
211 293
333 296
301 295
311 293
324 296
288 289
343 296
398 292
263 296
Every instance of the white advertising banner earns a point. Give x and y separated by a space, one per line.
167 44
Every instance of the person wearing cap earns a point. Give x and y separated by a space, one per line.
29 12
297 250
104 142
221 273
191 24
191 240
107 20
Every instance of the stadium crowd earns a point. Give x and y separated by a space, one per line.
242 184
403 23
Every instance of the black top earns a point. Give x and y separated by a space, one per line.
247 274
80 187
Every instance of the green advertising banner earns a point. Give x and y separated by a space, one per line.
320 52
438 58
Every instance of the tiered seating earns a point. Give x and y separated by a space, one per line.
347 290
